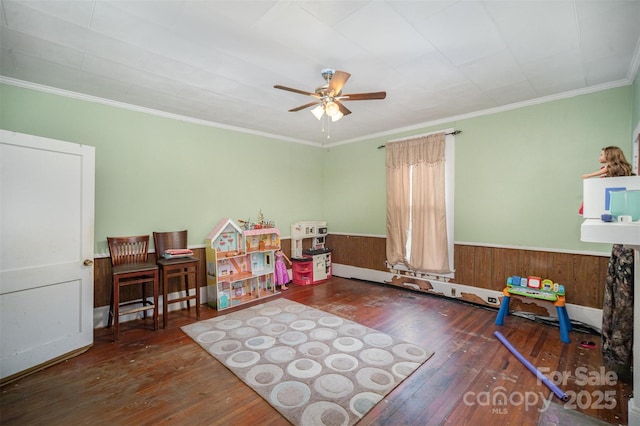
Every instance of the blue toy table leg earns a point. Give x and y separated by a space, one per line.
504 310
566 318
565 324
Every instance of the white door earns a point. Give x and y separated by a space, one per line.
46 251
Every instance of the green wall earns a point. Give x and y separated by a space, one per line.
517 180
517 172
161 174
636 101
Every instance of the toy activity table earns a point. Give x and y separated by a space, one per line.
556 297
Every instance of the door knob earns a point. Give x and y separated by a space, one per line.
88 262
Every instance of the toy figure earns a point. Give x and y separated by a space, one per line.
282 276
602 172
615 164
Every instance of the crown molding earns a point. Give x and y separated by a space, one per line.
447 120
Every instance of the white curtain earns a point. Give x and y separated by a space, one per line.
416 208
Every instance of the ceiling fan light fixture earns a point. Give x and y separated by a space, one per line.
337 116
318 111
331 108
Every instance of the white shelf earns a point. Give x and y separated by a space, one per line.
597 231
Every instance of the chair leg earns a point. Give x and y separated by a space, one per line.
165 297
185 277
197 288
110 319
116 308
144 299
155 300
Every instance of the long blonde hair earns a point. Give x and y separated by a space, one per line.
617 164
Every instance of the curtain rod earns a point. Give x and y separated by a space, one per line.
455 132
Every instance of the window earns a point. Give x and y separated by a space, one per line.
420 177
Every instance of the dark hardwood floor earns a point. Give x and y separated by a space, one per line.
164 377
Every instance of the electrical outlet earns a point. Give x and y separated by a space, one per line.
492 300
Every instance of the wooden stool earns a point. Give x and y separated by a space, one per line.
186 268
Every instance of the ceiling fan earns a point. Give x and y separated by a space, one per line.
329 97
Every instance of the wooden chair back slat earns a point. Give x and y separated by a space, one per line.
128 250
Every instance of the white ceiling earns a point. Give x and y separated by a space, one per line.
217 61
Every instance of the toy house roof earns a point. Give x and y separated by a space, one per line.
220 228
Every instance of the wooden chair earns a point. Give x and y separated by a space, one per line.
129 266
186 268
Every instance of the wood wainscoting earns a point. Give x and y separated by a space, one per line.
488 267
102 277
476 266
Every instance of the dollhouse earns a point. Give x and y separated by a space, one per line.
240 264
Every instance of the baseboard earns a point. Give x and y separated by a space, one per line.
101 313
591 317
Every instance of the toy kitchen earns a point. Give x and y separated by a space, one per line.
311 265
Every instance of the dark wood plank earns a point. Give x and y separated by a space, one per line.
152 377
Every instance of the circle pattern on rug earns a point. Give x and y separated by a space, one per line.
228 324
333 386
379 340
341 362
410 351
224 347
296 309
304 368
285 317
330 321
312 314
404 369
314 349
376 356
375 379
260 342
323 333
211 336
361 403
290 394
243 359
201 327
354 330
312 366
270 311
347 344
242 332
264 375
324 413
274 329
302 325
280 354
258 321
292 338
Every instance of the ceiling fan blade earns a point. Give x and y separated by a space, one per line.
343 109
363 96
304 106
337 82
302 92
